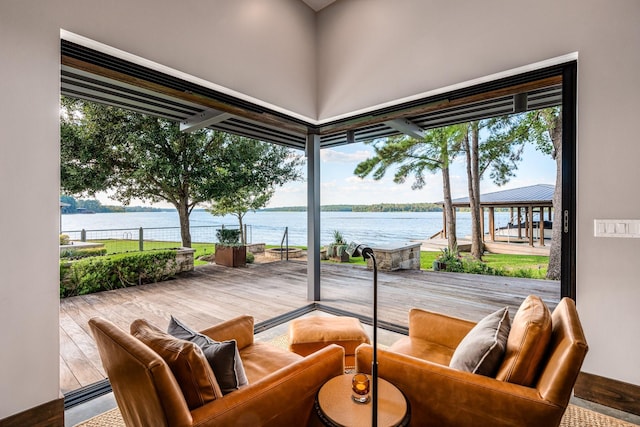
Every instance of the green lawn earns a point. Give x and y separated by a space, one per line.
532 266
513 265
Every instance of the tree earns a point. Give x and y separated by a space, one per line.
472 150
415 157
69 201
546 133
502 151
136 156
499 152
239 204
509 135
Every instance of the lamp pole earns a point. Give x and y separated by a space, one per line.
374 363
358 249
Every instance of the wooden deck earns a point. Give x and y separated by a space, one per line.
212 294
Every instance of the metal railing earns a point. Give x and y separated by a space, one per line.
284 244
119 240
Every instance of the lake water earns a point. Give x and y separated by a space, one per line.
374 228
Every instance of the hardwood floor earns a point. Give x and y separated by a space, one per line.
211 294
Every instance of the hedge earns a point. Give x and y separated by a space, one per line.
82 253
97 274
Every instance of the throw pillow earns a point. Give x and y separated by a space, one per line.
223 357
482 349
186 361
527 343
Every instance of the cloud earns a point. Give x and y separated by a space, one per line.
358 180
292 188
333 156
354 190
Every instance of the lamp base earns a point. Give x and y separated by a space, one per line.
362 399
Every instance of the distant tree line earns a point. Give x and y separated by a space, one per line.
95 206
399 207
379 207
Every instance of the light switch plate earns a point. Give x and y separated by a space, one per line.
616 228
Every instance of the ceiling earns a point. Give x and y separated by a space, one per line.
318 5
92 75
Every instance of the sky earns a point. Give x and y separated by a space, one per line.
339 185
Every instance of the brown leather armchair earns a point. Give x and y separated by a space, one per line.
442 396
281 391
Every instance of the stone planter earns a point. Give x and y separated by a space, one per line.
397 256
184 259
337 253
344 257
231 256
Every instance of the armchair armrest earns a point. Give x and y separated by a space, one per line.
283 398
438 328
239 328
441 396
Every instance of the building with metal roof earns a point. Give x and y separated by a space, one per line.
538 195
524 203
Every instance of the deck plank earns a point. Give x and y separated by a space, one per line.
211 294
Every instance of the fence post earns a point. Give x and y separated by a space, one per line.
141 240
83 235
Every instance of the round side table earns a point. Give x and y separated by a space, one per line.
335 407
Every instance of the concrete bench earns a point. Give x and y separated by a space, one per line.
397 256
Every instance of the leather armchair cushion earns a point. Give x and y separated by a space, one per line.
263 359
423 349
186 361
527 344
481 351
223 357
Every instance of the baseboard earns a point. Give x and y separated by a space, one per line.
50 414
608 392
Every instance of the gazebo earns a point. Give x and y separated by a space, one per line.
523 203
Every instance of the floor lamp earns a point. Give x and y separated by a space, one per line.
356 249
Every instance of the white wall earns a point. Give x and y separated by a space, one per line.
375 51
29 159
264 49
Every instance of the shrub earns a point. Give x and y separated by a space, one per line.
448 255
228 236
450 260
64 239
97 274
478 267
454 263
250 258
82 253
528 273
